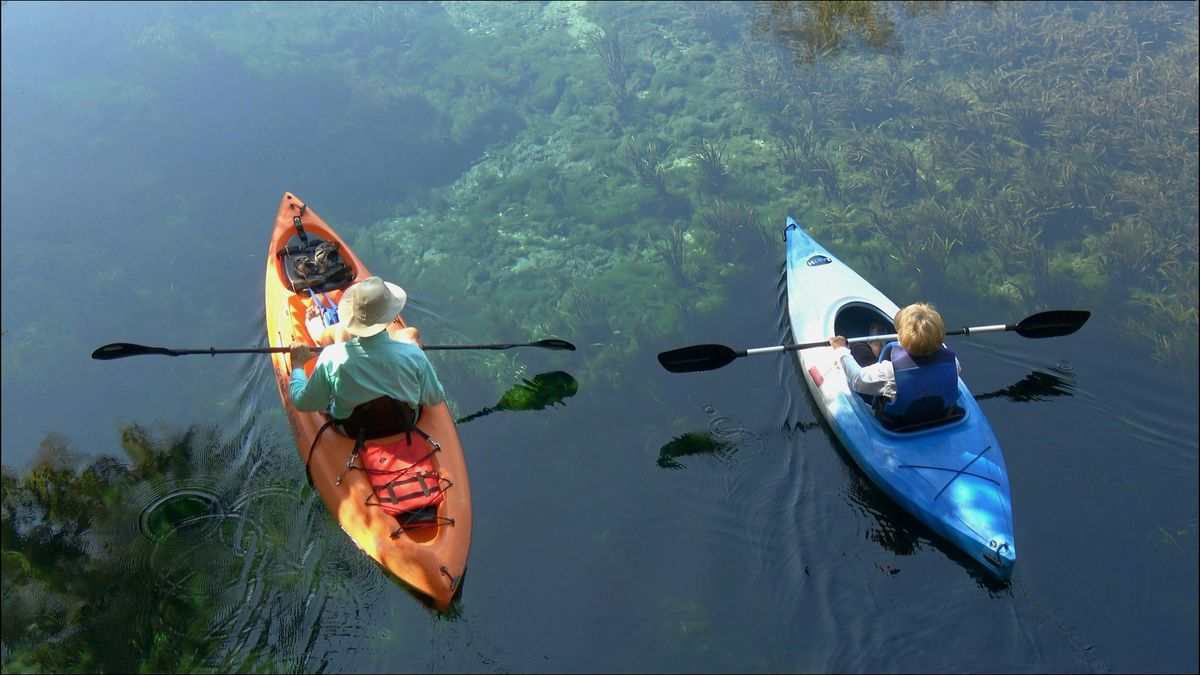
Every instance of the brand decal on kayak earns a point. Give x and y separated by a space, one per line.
818 260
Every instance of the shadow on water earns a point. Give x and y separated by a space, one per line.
693 443
545 390
1037 386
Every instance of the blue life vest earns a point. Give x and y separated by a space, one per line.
926 387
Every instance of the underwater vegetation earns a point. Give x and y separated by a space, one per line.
600 171
1011 157
193 552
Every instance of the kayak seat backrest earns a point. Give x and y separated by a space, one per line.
314 264
949 415
383 416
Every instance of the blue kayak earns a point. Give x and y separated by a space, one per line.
950 476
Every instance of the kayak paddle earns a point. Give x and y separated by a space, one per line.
696 358
119 350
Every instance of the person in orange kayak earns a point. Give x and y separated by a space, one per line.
381 359
323 334
916 379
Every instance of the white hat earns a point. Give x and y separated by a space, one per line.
370 305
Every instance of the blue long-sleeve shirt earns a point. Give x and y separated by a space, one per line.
362 369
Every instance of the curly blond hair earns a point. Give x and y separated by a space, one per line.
920 329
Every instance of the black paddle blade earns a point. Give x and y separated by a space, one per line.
696 358
554 343
119 350
1054 323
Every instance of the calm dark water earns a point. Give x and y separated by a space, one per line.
145 147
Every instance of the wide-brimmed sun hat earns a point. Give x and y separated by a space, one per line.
370 305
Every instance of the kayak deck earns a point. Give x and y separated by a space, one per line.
950 476
429 560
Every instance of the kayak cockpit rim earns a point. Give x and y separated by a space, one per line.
854 318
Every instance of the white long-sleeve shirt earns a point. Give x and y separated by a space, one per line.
877 379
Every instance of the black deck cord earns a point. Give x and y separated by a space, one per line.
440 484
434 447
438 521
359 443
307 460
299 227
961 471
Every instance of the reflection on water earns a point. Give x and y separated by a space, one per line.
690 444
545 390
196 559
1037 386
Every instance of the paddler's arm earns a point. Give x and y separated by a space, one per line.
402 332
878 379
308 395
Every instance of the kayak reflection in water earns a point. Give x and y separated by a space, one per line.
915 380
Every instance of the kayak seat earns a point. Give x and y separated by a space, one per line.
314 265
922 415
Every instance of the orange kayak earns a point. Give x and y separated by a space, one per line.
430 559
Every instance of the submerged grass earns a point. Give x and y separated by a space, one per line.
1018 155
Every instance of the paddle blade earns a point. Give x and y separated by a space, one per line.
554 343
1054 323
695 358
119 350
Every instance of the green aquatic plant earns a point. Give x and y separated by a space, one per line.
736 228
720 20
760 75
644 158
826 173
606 43
1132 253
672 248
815 30
1167 317
793 149
708 160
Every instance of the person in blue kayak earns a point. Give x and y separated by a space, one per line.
381 360
915 380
